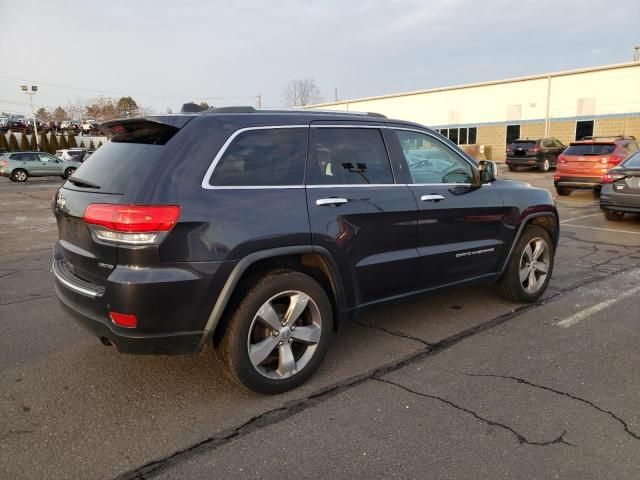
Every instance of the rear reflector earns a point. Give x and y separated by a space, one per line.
133 218
124 320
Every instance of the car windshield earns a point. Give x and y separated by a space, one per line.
586 149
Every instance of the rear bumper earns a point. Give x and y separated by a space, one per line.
619 202
124 341
172 304
524 161
578 182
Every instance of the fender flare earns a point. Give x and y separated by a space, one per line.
523 224
242 266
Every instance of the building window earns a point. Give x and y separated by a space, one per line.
584 128
473 134
453 135
513 133
444 132
462 136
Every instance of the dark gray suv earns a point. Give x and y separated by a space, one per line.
260 232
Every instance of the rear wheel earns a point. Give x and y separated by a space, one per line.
530 266
544 166
513 168
596 192
563 191
613 216
19 175
278 334
68 172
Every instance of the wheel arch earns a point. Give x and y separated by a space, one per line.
314 261
547 220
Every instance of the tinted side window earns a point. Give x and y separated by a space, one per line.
348 156
430 161
269 157
547 143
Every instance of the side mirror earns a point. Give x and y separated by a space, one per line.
488 171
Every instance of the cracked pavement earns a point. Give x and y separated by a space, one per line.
456 384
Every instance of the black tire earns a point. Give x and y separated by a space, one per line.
19 175
613 216
513 168
596 192
563 191
68 172
233 349
510 286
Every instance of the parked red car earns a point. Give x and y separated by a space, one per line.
584 164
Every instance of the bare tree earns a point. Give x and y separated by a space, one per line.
298 93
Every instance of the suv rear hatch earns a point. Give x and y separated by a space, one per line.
523 148
592 159
116 169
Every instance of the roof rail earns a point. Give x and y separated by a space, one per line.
250 109
616 137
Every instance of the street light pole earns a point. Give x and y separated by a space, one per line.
34 90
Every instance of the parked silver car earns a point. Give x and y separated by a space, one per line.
19 166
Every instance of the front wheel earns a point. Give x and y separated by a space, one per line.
530 266
278 334
563 191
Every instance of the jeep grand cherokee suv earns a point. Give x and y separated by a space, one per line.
260 232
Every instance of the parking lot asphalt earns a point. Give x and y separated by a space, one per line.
455 384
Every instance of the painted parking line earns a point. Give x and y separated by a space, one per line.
580 218
587 312
603 229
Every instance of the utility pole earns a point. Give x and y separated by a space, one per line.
636 53
259 101
34 90
335 94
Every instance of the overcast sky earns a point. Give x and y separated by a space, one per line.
159 50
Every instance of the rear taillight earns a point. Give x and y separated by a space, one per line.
534 149
562 159
131 224
4 163
616 159
611 178
124 319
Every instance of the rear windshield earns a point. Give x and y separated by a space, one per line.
590 149
116 166
125 160
527 144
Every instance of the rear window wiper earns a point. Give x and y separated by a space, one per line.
82 183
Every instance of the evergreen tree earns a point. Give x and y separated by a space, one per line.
4 145
72 141
44 143
53 144
24 142
13 143
63 141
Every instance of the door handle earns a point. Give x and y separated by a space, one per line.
330 201
431 198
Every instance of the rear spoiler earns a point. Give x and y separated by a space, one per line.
153 129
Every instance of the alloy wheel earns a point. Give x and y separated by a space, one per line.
534 265
284 334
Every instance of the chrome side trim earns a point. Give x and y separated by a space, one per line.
358 185
76 288
209 173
